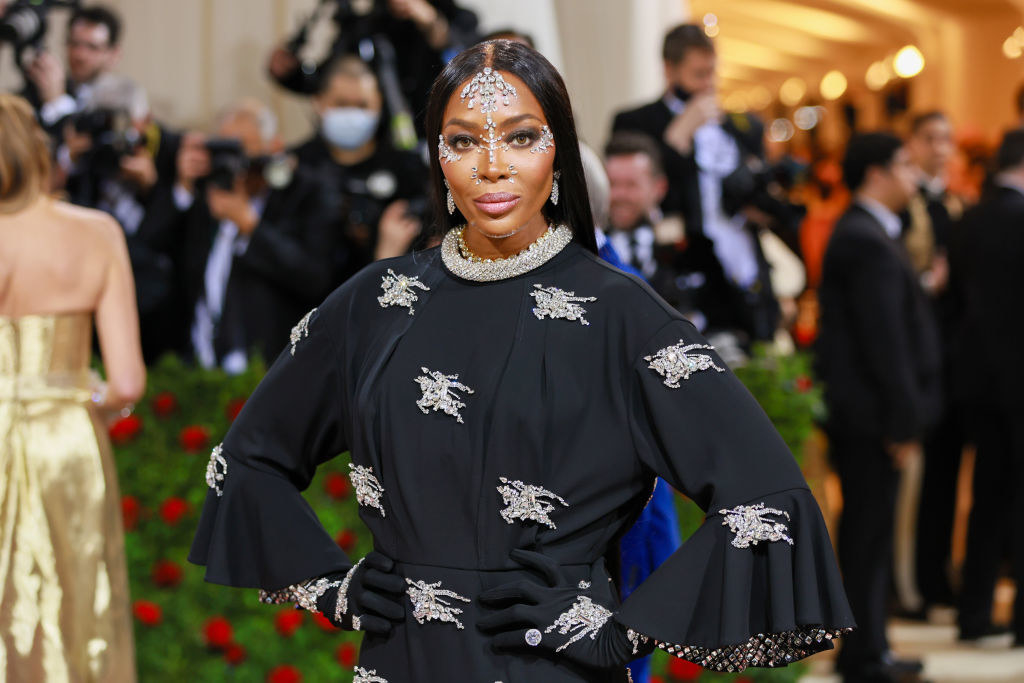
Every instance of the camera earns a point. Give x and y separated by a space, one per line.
228 162
761 185
113 137
24 23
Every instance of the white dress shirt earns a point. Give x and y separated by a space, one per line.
891 223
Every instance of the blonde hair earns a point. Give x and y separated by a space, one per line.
24 155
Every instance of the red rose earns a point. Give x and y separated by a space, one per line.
125 429
173 510
336 485
234 654
167 574
323 622
233 408
804 334
284 673
194 438
217 632
130 512
346 539
803 384
655 679
346 654
683 670
149 613
288 621
164 404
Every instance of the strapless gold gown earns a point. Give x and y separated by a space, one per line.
64 605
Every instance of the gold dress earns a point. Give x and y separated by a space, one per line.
64 605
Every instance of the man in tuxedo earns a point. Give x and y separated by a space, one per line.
704 154
929 223
988 377
93 49
258 244
878 357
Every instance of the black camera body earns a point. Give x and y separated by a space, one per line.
764 186
229 162
24 24
113 137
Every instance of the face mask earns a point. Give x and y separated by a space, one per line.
349 127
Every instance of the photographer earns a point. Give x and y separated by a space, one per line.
714 164
257 238
93 49
381 189
119 160
422 33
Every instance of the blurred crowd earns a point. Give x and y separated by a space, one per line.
899 273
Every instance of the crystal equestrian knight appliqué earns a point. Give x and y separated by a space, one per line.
216 469
439 393
399 290
678 362
751 524
528 502
584 618
364 676
367 487
301 330
429 603
553 303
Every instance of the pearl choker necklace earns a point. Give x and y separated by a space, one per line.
462 262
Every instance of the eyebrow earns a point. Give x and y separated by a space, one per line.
507 122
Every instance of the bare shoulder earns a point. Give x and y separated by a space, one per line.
98 227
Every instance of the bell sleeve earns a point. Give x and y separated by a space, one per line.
757 584
256 530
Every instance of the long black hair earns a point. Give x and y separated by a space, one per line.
546 84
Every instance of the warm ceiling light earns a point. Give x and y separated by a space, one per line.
1011 48
1018 34
877 75
908 62
736 102
710 19
792 91
781 130
711 31
833 85
806 118
759 97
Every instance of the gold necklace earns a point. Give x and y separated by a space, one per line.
468 254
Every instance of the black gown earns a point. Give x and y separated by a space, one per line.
553 426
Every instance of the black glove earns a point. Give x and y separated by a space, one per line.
368 598
559 617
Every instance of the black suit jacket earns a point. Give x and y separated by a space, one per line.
283 273
987 283
877 351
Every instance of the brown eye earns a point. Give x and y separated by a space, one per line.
522 138
461 142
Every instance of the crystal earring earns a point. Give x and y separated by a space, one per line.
554 188
449 198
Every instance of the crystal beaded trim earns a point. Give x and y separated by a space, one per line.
301 330
341 606
368 489
527 502
553 303
364 676
546 142
445 152
584 618
677 362
638 640
398 290
304 595
536 255
429 604
764 649
216 469
439 393
752 524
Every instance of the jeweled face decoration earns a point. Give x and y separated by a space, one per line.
497 153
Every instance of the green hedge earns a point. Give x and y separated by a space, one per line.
187 629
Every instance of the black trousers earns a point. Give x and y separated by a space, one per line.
937 507
996 527
869 484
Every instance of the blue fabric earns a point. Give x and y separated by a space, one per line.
655 535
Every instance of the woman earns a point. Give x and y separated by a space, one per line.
508 399
64 609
